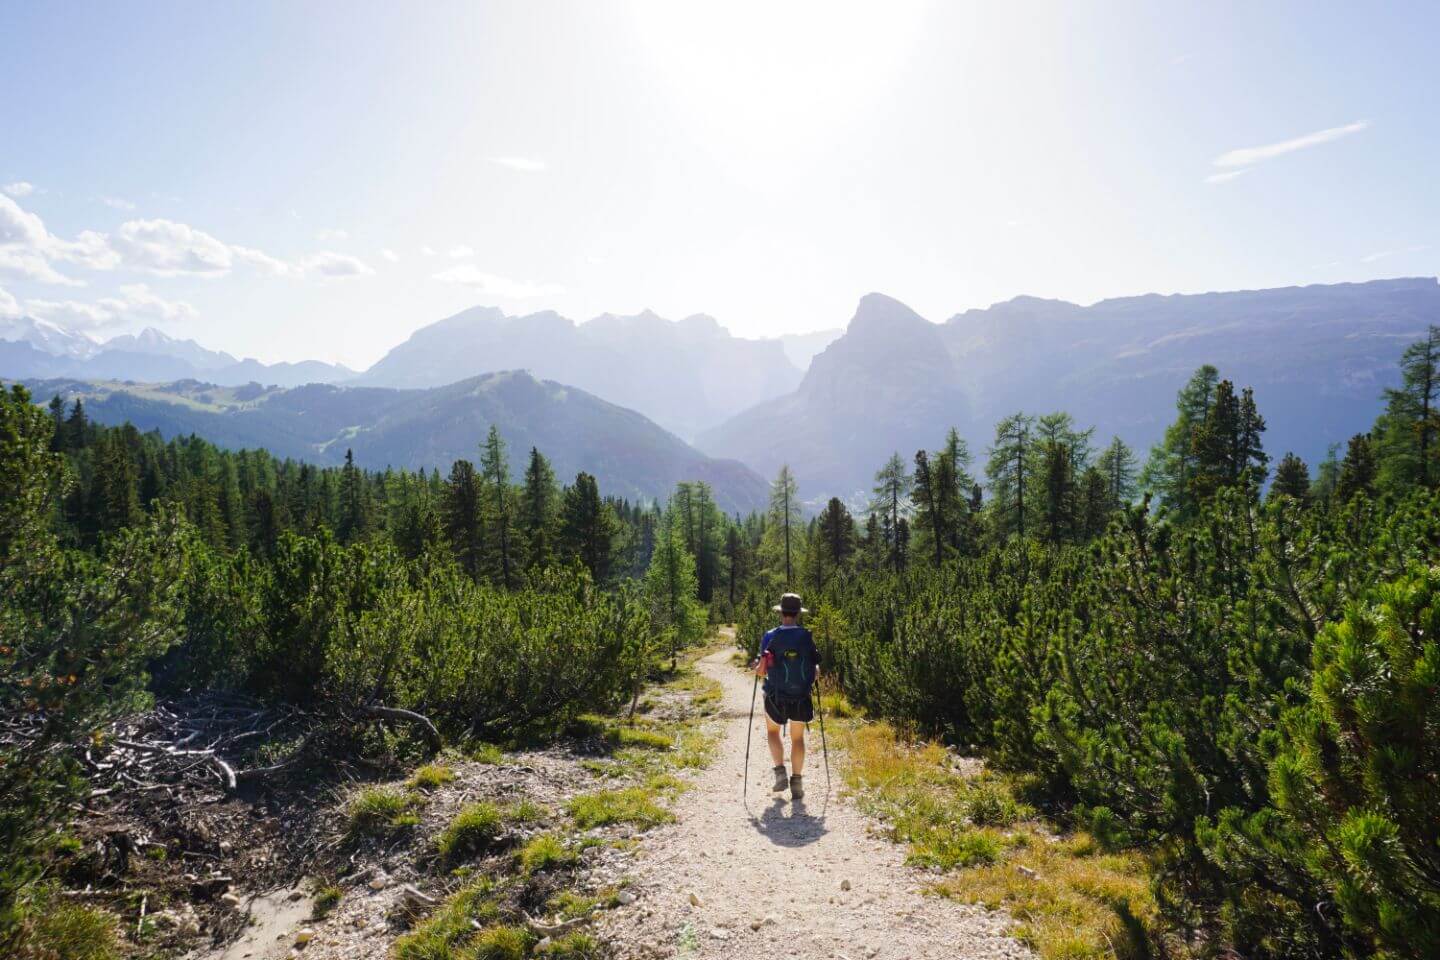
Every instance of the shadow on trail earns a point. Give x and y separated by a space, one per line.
796 828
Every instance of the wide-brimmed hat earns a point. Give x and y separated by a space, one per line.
789 603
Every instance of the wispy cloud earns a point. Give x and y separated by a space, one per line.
18 189
1382 254
461 251
390 255
522 164
9 306
117 203
1245 156
427 251
469 275
1226 177
327 263
331 234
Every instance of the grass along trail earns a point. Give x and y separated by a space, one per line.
781 880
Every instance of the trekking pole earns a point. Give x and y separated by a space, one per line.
749 729
824 748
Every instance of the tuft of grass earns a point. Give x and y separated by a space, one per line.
989 804
696 750
546 852
378 811
627 736
631 805
70 932
579 946
432 776
482 752
475 828
327 898
948 849
442 936
501 942
527 811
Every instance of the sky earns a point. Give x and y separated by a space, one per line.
318 180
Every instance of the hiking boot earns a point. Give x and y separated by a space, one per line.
797 787
780 782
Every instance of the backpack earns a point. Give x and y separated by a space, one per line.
793 670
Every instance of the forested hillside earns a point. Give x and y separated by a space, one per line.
415 429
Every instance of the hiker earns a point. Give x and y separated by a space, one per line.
789 662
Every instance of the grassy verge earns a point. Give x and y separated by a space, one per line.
639 763
1071 899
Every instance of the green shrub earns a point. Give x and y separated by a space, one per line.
572 946
474 829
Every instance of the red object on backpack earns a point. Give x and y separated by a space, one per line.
769 659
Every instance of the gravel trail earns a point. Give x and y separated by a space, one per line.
784 879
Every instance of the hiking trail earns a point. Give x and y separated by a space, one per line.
780 880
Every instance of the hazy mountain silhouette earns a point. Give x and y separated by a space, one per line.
39 348
686 375
1318 358
629 455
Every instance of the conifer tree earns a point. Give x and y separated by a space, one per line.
1357 470
1009 468
1117 465
1292 479
1228 452
785 516
588 527
1060 508
892 488
837 534
116 495
735 566
1410 426
538 508
461 512
503 562
670 586
354 514
1096 503
1169 473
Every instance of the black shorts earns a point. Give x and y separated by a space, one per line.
780 708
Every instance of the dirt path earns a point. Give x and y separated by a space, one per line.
783 880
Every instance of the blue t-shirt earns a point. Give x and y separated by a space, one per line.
785 639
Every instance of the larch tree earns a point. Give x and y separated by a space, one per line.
1169 471
785 516
499 508
1009 472
891 491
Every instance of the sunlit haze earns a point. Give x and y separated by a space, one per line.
318 180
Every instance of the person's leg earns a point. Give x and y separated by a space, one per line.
777 753
797 747
772 736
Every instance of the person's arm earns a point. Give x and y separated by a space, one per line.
760 663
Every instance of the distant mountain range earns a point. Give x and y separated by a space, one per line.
686 375
1318 357
30 347
628 454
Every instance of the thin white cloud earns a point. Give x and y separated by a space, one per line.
1245 156
390 255
331 234
461 251
521 164
427 251
117 203
1227 176
469 275
327 263
136 302
18 189
9 306
1383 254
263 260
